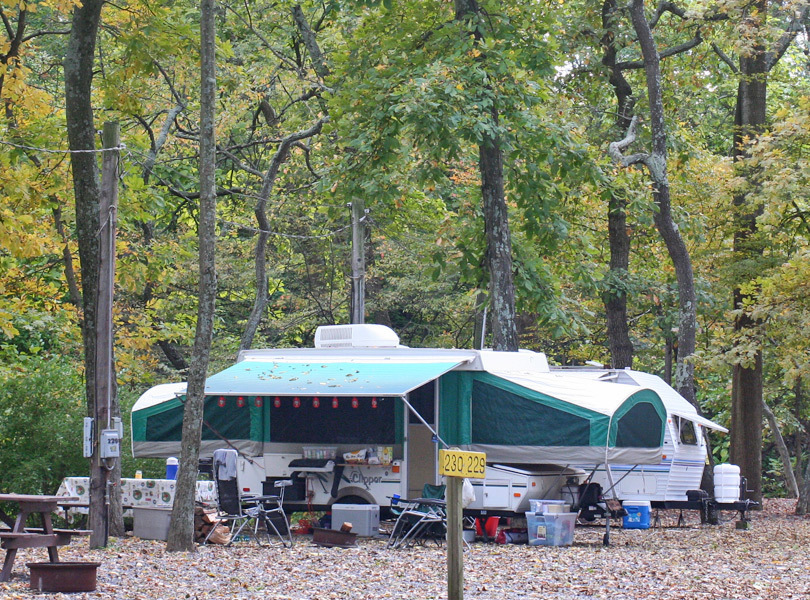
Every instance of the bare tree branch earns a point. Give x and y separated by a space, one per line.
725 58
615 149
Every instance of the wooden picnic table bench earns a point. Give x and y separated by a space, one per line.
21 536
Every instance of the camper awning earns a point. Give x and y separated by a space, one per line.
693 416
378 378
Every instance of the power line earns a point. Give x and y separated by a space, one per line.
49 151
287 235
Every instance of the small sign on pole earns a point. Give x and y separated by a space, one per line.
459 463
456 465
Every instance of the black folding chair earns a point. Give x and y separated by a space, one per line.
241 510
421 519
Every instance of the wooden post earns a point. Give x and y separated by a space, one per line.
455 465
108 205
358 262
455 550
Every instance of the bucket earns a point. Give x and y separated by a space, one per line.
638 514
63 576
726 483
171 468
487 526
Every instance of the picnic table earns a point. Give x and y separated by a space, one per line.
21 536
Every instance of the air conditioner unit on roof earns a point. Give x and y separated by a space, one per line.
355 336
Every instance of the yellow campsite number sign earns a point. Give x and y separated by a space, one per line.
458 463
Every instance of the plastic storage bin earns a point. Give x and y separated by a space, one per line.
327 452
560 528
638 514
551 528
541 506
536 526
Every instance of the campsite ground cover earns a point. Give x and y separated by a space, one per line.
770 560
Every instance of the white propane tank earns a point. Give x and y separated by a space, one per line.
726 483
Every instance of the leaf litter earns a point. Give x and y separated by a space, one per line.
690 562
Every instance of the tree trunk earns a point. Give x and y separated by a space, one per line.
496 216
67 258
310 42
81 132
615 297
656 162
262 296
803 504
746 386
784 453
657 165
181 530
499 246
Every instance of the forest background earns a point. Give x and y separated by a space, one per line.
327 105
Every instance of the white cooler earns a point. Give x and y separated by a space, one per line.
151 523
365 518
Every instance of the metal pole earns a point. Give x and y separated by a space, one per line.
358 262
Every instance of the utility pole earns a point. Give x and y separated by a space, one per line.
101 464
358 305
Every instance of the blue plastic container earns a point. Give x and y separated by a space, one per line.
171 468
638 514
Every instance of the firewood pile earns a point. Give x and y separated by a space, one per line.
204 521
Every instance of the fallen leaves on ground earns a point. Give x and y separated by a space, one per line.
690 562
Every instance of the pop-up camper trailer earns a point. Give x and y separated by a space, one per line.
684 452
300 413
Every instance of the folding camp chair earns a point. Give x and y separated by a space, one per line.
420 519
240 510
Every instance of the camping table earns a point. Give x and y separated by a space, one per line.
19 537
135 493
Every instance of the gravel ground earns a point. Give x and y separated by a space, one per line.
768 561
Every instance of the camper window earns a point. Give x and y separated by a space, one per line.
423 401
344 420
686 432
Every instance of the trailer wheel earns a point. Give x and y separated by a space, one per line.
351 500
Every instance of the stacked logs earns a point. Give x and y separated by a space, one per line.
204 521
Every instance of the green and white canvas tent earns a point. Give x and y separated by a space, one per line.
502 403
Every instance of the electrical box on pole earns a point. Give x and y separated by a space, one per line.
110 444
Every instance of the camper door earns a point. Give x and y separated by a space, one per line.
421 452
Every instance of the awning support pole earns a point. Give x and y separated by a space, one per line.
425 423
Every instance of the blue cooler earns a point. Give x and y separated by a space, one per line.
638 514
171 468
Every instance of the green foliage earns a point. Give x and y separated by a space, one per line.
41 412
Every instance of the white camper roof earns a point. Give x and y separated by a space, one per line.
675 403
159 393
591 394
